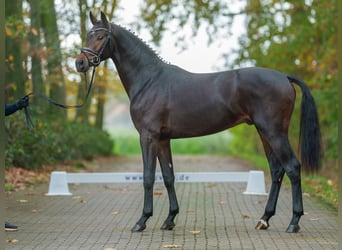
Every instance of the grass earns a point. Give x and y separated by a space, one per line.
127 143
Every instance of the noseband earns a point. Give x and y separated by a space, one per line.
96 59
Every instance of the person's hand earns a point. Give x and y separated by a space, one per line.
23 102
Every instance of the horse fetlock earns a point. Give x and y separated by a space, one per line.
296 217
293 229
141 224
168 225
262 225
174 212
138 228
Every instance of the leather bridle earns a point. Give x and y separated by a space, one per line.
96 59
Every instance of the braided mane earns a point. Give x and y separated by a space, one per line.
147 45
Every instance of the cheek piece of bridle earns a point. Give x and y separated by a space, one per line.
96 59
92 62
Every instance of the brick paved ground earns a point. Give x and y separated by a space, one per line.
212 215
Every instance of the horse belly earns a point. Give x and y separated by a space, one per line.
199 121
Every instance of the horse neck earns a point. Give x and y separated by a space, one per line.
135 62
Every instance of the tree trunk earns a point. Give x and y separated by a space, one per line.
36 53
82 114
15 78
55 78
101 99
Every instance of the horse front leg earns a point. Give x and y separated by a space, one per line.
165 160
149 152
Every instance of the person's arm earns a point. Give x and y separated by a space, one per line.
10 108
13 107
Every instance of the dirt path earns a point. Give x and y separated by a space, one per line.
188 163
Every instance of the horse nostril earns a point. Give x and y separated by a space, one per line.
79 64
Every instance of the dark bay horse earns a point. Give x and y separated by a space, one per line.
167 102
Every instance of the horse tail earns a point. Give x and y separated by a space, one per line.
310 136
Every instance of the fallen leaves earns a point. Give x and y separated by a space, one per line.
12 241
172 246
259 202
79 198
314 219
246 216
194 232
22 201
20 179
211 185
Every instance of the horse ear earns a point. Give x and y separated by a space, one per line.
104 20
92 18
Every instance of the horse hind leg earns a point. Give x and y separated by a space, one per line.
292 168
293 172
277 174
284 156
165 160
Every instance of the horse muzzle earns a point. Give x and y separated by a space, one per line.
82 64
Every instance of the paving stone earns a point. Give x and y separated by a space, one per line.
212 216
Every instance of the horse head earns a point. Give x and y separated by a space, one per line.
98 44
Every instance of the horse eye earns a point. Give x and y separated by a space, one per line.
99 38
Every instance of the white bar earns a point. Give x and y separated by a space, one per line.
135 177
59 179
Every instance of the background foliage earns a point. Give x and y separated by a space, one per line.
53 142
296 37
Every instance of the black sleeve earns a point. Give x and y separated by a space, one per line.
10 109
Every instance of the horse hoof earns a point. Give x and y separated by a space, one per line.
168 226
138 228
293 229
262 225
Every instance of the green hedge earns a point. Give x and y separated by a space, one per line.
51 142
